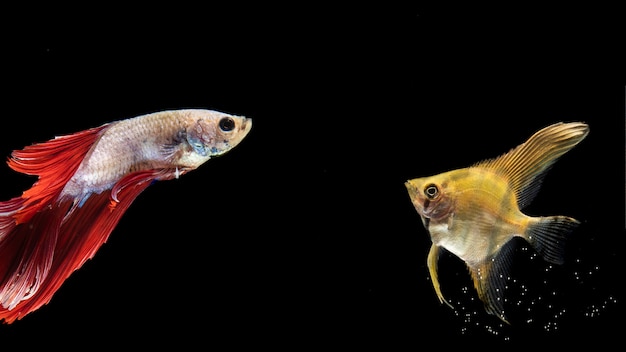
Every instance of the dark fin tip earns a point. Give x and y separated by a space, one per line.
549 235
490 280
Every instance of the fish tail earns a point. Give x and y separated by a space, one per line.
548 236
30 224
26 258
38 256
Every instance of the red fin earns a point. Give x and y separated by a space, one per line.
29 224
55 162
89 226
27 254
81 230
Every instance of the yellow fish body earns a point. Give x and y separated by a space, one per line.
475 211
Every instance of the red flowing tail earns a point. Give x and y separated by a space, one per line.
29 225
44 238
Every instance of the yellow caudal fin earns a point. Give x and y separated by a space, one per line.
526 165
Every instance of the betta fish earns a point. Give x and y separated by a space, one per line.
474 212
86 181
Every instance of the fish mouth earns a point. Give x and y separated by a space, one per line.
246 125
411 188
414 194
244 128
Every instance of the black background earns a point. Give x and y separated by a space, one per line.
304 235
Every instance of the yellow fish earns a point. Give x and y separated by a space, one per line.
474 212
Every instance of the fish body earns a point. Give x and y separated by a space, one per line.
86 181
474 212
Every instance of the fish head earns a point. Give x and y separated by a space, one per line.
432 197
212 133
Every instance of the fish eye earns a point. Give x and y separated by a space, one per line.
431 191
227 124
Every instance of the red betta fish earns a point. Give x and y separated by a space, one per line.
86 181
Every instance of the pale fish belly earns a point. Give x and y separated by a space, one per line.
471 240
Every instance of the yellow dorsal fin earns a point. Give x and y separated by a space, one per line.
526 165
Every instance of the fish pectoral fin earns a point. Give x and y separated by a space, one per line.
548 235
134 183
490 279
433 257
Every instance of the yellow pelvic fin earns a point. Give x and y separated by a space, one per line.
433 256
